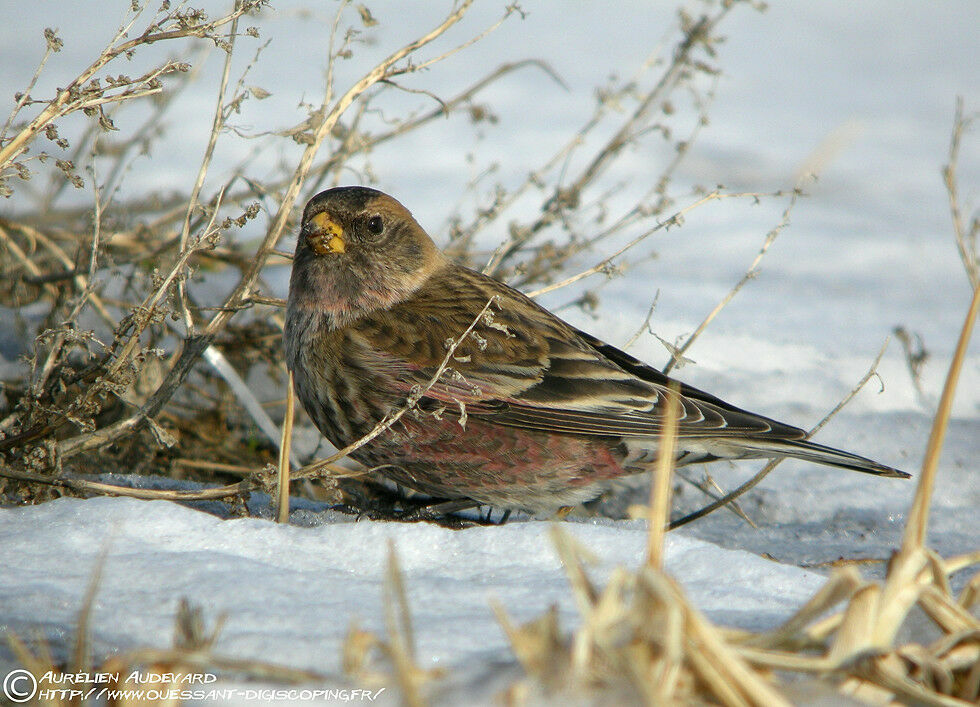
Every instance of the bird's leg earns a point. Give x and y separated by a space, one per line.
383 504
365 497
441 513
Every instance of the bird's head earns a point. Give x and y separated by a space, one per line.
359 250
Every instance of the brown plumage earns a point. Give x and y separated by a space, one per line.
531 413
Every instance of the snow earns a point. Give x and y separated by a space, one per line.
302 587
869 249
159 551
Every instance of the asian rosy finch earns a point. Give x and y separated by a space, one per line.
529 413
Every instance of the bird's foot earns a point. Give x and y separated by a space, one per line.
441 513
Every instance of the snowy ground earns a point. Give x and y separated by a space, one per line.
869 249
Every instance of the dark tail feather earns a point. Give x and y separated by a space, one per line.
811 451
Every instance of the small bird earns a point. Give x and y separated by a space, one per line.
528 412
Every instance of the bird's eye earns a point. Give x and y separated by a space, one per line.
376 225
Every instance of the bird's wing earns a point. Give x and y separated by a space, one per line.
525 367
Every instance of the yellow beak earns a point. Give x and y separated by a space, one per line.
326 236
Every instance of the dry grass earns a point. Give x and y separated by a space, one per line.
642 640
132 376
129 369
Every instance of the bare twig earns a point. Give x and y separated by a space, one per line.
401 637
102 489
193 346
645 326
390 419
281 495
966 236
79 94
192 202
695 33
52 44
674 220
677 354
660 488
765 470
710 488
915 526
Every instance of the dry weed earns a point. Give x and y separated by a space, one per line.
128 367
642 640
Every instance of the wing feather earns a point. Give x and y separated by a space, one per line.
527 368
